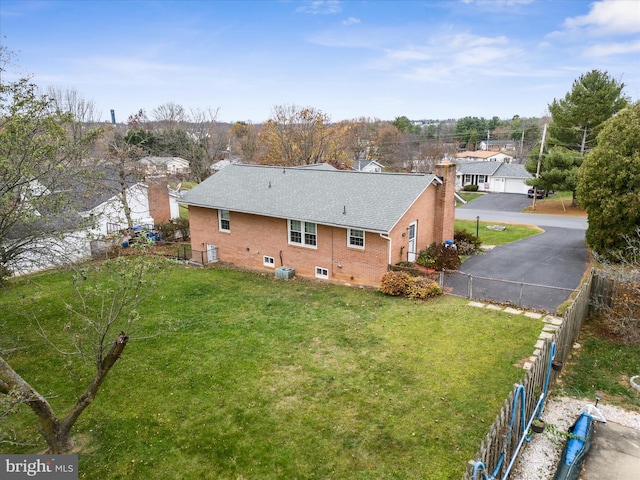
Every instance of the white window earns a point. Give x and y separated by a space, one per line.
223 220
482 179
268 261
322 272
467 179
302 233
356 238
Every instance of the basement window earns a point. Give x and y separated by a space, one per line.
322 272
268 261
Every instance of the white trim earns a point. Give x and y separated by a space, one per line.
411 249
322 272
228 219
268 261
303 234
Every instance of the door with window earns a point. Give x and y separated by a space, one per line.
411 247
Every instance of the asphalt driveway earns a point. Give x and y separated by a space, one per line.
555 258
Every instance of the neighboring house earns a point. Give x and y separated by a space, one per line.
163 200
325 223
367 166
96 211
495 177
169 165
483 156
101 201
219 165
498 145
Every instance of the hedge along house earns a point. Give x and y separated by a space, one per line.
337 225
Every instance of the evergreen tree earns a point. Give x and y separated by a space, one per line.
609 183
575 121
577 118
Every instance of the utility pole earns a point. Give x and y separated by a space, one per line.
535 190
584 141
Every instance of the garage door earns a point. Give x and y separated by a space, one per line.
515 185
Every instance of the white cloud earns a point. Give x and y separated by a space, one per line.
499 3
608 49
609 16
321 7
460 54
351 21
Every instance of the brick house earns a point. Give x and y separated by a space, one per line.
337 225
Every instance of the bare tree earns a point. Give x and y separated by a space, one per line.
209 142
103 317
620 314
430 153
125 157
169 115
84 112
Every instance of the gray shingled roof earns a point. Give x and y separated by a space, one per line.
495 169
512 170
372 201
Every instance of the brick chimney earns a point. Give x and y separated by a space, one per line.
444 215
159 207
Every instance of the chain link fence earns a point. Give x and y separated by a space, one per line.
521 294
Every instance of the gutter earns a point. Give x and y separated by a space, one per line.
385 237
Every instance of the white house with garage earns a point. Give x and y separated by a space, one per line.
494 177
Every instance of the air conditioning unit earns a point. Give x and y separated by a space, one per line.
285 272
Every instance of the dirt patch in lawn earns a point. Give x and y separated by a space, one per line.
556 206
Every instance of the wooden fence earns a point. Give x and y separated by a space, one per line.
500 447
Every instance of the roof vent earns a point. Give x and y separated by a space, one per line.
344 211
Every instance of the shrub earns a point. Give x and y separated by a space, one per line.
439 257
621 320
395 283
467 242
401 284
470 188
171 228
408 267
423 288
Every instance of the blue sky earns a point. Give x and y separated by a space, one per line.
380 59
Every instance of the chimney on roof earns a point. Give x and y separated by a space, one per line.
444 212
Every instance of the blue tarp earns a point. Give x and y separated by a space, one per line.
578 444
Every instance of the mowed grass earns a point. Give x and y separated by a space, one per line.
511 233
602 364
244 376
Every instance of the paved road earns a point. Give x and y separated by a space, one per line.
506 207
556 258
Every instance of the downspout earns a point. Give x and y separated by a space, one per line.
389 250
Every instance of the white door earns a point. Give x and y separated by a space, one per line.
411 248
212 253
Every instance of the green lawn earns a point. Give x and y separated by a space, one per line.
468 196
244 376
511 233
603 365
